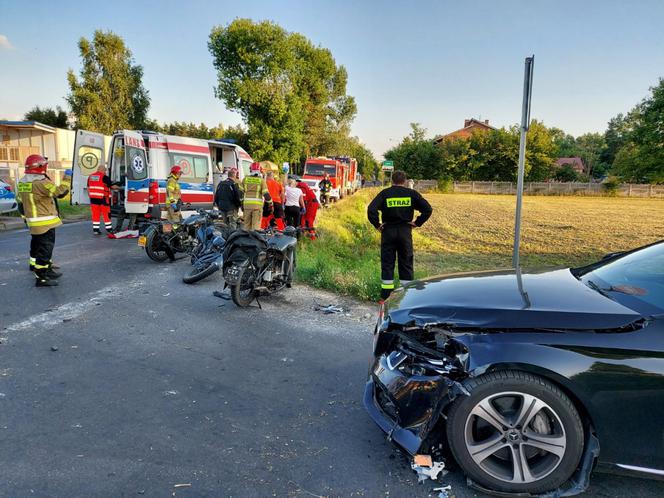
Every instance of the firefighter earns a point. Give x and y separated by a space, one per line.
99 191
173 195
397 205
325 185
38 205
254 188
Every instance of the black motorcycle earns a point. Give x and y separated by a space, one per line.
163 239
258 263
207 257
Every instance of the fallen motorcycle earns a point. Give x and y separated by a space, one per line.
258 263
207 257
163 239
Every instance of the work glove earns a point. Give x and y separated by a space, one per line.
68 173
175 207
303 211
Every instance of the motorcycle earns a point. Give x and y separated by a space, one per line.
207 257
256 263
163 239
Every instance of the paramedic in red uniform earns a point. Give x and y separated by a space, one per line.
311 205
99 191
276 190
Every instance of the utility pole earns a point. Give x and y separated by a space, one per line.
525 124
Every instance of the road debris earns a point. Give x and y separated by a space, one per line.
443 492
54 348
184 485
328 309
426 468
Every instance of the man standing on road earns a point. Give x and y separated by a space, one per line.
397 205
99 191
173 195
255 190
308 221
37 198
228 199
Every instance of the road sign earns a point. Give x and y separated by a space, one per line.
388 165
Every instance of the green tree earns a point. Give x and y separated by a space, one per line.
108 94
48 116
290 93
417 155
566 174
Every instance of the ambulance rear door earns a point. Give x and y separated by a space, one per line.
137 187
88 155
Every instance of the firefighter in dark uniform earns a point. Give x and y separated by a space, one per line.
397 205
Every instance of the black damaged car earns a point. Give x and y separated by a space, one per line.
528 380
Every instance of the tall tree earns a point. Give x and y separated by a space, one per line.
48 116
417 155
290 93
108 94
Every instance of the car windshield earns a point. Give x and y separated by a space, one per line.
639 276
319 169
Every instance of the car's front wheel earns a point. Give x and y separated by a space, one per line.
516 432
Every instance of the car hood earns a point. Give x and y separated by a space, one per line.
507 300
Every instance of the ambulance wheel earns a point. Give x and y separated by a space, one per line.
153 246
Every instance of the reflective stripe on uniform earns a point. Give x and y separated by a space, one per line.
387 284
41 221
405 282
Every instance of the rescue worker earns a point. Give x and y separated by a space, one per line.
397 205
311 206
255 190
228 199
37 203
173 195
276 190
99 191
325 186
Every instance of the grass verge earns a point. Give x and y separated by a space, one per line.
475 232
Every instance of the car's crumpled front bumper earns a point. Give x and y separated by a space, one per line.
406 407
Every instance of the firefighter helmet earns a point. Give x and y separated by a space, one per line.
176 170
36 164
255 167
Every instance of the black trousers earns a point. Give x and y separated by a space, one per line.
396 241
41 248
293 216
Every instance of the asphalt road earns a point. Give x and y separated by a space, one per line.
123 381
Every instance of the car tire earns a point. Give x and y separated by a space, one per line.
489 444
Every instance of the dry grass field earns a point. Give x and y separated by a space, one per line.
472 232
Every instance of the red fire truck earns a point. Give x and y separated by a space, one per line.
315 169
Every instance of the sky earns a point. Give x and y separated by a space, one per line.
431 62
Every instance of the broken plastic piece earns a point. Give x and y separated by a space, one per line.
423 460
424 472
443 492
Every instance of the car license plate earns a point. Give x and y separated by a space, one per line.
142 240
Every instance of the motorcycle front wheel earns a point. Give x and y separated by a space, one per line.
196 274
242 291
154 247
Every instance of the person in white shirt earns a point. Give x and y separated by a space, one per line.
294 204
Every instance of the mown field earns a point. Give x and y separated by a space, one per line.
474 232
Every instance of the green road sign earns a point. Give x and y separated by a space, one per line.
388 165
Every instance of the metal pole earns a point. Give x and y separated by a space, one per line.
525 123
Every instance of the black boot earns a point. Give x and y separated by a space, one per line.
46 283
51 274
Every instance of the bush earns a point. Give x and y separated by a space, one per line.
611 185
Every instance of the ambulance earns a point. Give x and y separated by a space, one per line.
141 161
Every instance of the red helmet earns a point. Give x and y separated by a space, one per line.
176 170
36 164
255 167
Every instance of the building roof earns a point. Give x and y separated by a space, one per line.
30 125
575 162
469 126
